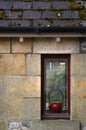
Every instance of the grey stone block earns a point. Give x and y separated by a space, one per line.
49 14
70 14
19 125
49 45
45 125
56 125
32 15
41 5
22 5
31 108
61 4
26 123
41 22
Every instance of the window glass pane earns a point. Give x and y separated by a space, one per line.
56 85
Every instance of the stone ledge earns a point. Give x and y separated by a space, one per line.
44 125
54 124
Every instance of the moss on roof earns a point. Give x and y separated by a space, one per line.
27 13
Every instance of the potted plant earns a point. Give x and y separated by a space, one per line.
56 104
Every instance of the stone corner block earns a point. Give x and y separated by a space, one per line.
4 45
23 86
31 108
12 64
49 45
2 125
78 64
21 47
10 108
33 63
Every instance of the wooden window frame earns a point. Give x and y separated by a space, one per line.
43 116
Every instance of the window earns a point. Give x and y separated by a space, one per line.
55 91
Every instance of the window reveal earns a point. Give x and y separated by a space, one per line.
55 86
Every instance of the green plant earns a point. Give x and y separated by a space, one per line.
38 24
40 9
57 25
14 24
20 15
82 14
72 24
31 23
49 19
75 6
56 79
51 7
3 14
17 9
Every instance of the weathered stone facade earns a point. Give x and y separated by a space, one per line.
20 83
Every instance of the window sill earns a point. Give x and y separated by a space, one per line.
56 116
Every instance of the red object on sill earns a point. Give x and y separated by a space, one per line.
55 107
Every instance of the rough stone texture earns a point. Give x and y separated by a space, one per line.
83 123
44 125
70 14
20 83
31 108
78 64
33 63
2 125
10 108
84 128
49 45
78 86
4 45
41 5
21 47
19 125
32 14
54 124
12 64
74 112
3 86
78 109
23 86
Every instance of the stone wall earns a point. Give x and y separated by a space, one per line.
20 83
78 87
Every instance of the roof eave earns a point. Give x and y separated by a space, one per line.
43 31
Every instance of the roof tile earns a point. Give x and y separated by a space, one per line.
42 13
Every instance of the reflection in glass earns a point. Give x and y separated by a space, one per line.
56 77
